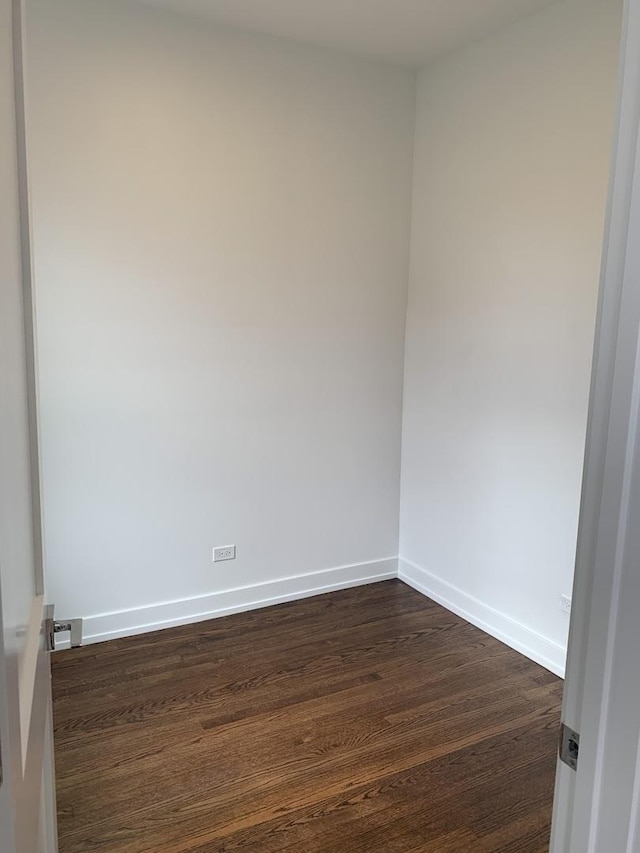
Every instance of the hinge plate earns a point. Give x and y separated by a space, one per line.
569 746
53 627
72 626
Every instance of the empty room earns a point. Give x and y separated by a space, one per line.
313 290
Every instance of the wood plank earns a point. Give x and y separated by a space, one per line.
365 720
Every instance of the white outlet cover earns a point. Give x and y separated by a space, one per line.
565 604
224 552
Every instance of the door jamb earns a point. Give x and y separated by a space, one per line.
611 433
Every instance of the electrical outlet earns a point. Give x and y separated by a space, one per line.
565 604
228 552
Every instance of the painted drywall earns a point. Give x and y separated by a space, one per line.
513 141
403 31
221 224
222 231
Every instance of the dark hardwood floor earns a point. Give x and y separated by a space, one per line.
364 721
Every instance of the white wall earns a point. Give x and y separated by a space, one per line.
513 139
221 225
221 233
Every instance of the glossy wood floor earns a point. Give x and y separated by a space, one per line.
364 721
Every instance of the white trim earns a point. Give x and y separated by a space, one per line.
48 839
125 623
633 837
514 634
186 611
27 671
592 809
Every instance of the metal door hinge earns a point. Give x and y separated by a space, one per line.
53 627
569 746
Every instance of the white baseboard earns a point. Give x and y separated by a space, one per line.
514 634
126 623
141 620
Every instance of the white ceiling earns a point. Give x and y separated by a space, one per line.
407 32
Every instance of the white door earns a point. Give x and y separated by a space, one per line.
27 800
597 806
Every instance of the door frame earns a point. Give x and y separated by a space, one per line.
27 795
599 638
